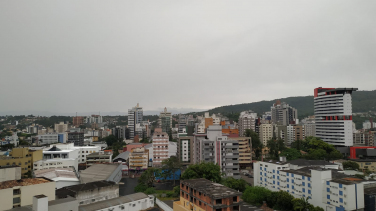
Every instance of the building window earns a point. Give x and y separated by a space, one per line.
340 185
327 183
16 191
340 193
235 199
16 200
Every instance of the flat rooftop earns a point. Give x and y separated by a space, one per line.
98 172
113 202
57 174
211 189
22 182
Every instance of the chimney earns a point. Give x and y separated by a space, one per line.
40 203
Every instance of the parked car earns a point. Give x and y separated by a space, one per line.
250 176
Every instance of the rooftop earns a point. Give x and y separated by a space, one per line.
50 203
113 202
6 167
72 190
123 155
57 174
99 154
211 189
98 172
22 182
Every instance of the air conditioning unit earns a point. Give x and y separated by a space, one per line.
345 203
344 188
344 195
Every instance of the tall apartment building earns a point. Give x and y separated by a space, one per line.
203 194
78 120
138 159
283 114
294 133
333 112
218 149
247 120
367 138
185 150
165 121
76 137
160 146
321 181
51 138
61 127
309 129
183 119
93 119
245 151
135 116
265 133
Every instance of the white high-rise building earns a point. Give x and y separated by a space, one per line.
135 116
333 112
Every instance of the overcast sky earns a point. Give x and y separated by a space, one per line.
59 57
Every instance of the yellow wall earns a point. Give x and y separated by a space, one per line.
28 192
24 163
36 155
367 165
19 152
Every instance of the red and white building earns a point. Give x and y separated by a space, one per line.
333 113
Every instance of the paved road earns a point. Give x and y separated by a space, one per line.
247 179
128 186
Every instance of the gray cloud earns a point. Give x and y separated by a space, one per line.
68 56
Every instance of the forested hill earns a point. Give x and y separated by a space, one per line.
363 101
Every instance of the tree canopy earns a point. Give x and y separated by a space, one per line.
236 184
350 165
256 143
205 170
291 154
317 149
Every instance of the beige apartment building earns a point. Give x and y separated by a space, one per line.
245 151
266 133
160 147
61 127
18 193
22 157
138 159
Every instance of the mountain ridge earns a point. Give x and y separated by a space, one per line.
362 101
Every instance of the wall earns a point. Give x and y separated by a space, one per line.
162 205
6 199
13 173
27 192
71 206
62 183
109 192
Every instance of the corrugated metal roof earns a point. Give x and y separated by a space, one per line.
123 155
113 202
98 172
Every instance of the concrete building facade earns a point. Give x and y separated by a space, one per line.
265 133
185 150
160 147
18 193
247 120
135 116
333 113
204 195
283 114
165 121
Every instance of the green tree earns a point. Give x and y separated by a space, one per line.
256 195
24 143
176 191
147 178
141 187
150 191
301 204
317 149
291 154
256 143
350 165
236 184
205 170
275 146
170 166
284 201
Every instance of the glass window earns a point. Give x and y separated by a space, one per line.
327 183
340 193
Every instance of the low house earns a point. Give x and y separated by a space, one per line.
97 172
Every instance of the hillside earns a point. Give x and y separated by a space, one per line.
363 101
